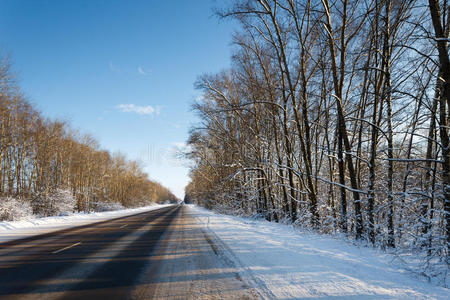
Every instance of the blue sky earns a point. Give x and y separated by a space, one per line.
122 71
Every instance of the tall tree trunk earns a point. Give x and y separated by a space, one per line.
390 138
444 115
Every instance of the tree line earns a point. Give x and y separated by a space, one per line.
333 115
43 159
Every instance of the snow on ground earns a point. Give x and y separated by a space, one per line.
287 264
34 226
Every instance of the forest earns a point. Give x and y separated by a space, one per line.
48 168
333 116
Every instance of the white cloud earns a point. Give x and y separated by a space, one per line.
141 71
140 110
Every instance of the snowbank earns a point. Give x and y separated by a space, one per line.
287 264
34 226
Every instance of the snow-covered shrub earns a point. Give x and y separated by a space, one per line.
57 202
106 206
12 209
62 201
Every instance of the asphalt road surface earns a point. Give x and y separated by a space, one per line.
160 254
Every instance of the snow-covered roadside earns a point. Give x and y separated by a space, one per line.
288 265
21 229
